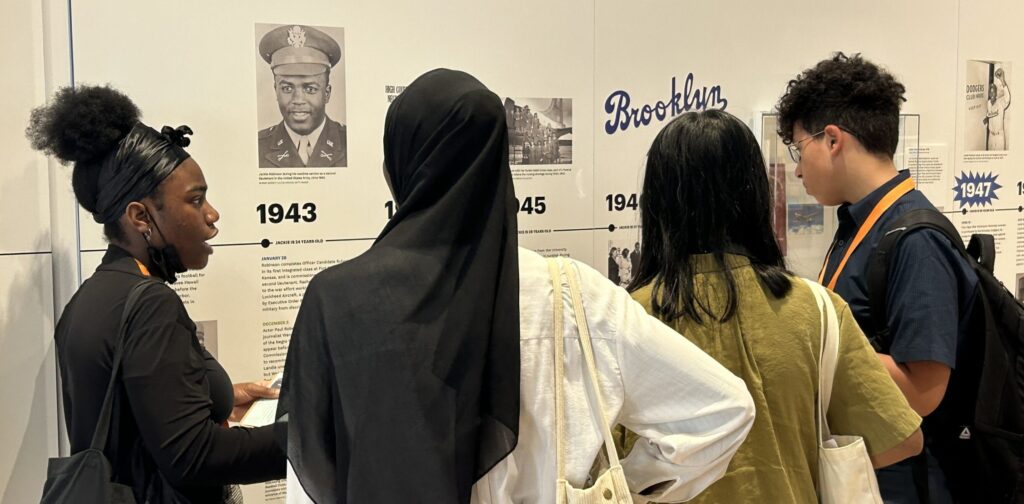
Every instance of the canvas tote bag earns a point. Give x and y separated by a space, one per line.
845 474
610 487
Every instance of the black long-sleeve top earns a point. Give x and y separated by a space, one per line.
166 439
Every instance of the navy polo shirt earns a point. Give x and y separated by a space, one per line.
931 288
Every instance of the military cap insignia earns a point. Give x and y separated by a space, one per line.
299 50
296 36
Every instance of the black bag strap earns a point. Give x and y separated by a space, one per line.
878 295
980 254
983 249
878 269
919 472
99 436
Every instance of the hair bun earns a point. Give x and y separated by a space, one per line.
177 136
82 123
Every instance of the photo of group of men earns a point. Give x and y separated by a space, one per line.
539 130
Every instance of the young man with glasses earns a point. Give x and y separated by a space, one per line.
840 120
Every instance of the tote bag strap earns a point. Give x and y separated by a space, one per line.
556 301
829 357
99 436
588 354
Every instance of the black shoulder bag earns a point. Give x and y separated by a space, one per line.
86 475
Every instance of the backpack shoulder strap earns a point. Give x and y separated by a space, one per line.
878 267
982 248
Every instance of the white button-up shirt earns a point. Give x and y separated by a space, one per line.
691 413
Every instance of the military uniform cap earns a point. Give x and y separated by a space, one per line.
299 50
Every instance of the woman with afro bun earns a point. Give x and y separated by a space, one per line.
168 439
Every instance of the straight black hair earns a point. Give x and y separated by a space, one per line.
705 191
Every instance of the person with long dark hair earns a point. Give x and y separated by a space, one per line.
710 266
423 369
168 441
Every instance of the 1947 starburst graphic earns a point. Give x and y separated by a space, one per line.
976 189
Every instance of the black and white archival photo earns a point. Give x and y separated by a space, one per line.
988 105
206 333
539 130
300 92
623 260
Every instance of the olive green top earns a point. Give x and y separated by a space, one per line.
774 346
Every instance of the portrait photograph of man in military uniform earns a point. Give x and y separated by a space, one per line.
300 89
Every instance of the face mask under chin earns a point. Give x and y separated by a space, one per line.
166 262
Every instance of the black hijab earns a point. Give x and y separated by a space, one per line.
402 377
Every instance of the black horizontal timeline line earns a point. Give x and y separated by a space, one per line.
350 239
966 211
84 251
264 243
38 252
235 244
609 228
577 229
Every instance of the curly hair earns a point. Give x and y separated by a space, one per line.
847 91
82 125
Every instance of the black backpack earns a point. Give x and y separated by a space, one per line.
977 432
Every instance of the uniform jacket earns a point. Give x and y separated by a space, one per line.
276 149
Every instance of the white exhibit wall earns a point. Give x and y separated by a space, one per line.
195 63
989 149
182 69
28 386
741 58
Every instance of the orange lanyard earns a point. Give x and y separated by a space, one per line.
142 268
887 201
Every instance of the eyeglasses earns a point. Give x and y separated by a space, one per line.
794 148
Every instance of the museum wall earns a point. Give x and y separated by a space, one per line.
586 85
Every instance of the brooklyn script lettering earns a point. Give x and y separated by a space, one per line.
621 116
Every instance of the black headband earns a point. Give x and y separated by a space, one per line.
142 160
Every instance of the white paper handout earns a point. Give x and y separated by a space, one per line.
262 411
